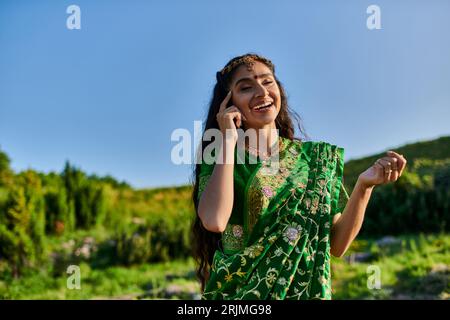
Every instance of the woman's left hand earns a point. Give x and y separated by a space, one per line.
384 170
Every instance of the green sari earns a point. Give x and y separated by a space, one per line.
277 242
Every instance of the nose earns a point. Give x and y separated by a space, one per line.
261 90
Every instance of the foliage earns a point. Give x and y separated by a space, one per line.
22 224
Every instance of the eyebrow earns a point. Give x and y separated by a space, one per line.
264 75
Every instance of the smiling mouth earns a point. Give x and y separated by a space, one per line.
263 107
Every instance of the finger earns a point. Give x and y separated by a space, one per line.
397 156
226 111
393 162
224 103
387 175
380 169
395 172
233 115
391 153
236 114
236 109
394 176
386 168
402 164
401 161
385 163
232 109
238 121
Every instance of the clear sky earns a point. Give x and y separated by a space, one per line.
108 96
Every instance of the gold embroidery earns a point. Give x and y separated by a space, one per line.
233 237
264 187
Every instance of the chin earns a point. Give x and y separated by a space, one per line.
263 122
263 119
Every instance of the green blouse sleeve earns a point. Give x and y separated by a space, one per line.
203 178
343 198
339 195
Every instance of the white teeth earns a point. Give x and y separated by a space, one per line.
263 105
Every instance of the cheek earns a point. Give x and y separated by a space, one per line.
241 102
277 96
275 92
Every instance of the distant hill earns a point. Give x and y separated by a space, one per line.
438 149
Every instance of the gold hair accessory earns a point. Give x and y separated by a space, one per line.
248 60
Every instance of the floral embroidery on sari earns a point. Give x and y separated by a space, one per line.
233 237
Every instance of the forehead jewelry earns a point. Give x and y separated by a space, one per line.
249 61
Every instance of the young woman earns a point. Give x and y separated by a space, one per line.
270 236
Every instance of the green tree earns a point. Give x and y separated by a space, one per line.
6 174
16 245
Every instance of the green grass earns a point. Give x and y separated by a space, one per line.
417 267
114 282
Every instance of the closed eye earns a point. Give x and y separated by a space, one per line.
246 88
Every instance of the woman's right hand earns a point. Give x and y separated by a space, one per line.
225 118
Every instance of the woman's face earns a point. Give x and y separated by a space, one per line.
256 95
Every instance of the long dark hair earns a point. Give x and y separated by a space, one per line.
205 243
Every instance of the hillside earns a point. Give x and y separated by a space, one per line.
438 149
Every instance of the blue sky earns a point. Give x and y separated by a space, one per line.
107 97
